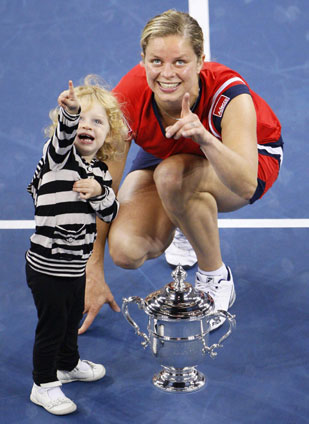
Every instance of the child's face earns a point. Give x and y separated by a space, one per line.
92 129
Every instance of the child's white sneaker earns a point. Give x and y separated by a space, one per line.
222 291
84 371
51 397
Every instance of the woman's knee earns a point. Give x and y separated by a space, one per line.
172 186
124 251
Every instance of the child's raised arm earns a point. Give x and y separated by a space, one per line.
69 101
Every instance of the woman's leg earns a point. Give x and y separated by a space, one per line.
142 229
192 195
182 191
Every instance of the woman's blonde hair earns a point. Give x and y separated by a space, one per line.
173 22
94 89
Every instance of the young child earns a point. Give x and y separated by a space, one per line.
70 188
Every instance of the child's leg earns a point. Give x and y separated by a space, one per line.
70 367
53 298
68 354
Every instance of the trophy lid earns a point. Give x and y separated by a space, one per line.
179 300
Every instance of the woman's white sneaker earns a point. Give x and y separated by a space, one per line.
51 397
222 291
180 252
84 371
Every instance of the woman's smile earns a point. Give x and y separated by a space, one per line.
172 69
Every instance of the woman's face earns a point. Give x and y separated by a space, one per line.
172 69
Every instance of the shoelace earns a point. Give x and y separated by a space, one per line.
211 286
180 241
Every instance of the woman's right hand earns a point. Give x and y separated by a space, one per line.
96 295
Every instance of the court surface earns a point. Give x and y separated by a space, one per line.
261 375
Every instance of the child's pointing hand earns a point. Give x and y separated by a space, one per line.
68 100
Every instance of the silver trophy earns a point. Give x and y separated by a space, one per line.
178 328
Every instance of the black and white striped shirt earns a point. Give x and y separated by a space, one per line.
66 224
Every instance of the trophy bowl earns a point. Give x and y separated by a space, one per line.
178 332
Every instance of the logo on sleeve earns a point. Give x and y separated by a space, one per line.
220 105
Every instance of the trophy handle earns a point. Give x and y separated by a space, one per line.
125 311
232 323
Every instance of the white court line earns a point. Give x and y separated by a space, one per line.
199 10
223 223
16 225
263 223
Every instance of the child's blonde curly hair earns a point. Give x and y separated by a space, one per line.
93 88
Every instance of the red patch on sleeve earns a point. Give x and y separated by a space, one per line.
220 105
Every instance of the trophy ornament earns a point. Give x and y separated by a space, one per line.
178 331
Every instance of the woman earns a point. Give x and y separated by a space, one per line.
219 147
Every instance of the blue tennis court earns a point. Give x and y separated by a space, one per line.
261 375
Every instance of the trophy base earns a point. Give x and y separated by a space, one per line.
174 380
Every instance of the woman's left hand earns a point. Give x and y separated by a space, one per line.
189 125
